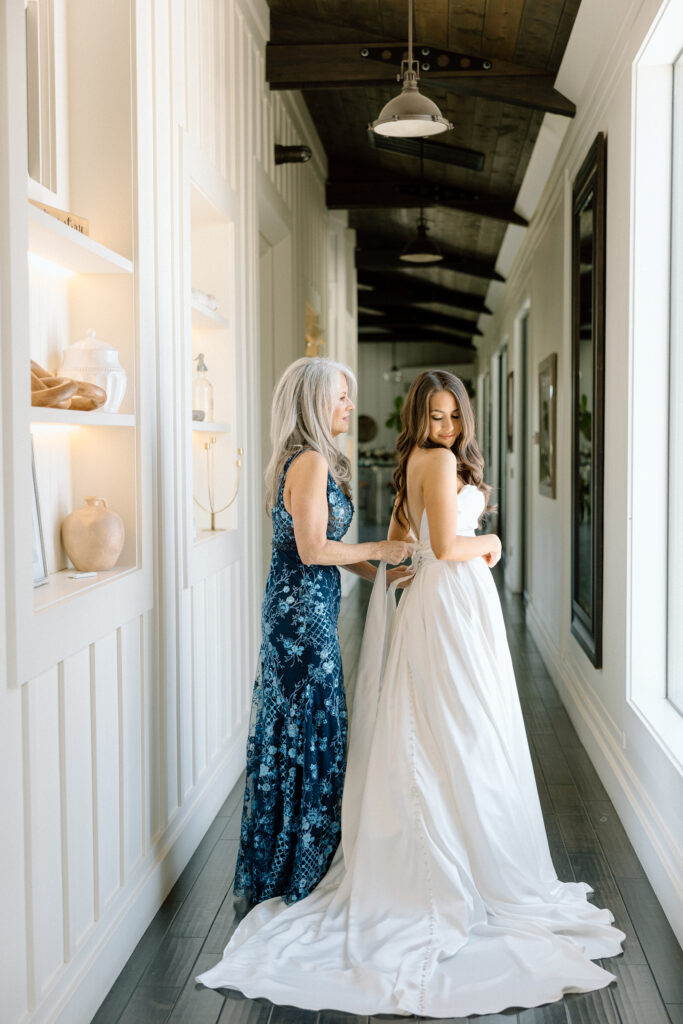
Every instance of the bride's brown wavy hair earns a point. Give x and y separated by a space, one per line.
415 419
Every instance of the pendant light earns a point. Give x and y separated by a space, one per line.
394 374
421 249
410 114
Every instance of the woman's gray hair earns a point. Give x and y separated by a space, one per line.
301 417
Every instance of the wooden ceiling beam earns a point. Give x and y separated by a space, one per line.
409 297
345 65
388 259
461 343
388 289
411 193
401 316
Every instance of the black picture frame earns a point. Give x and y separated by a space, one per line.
547 426
588 399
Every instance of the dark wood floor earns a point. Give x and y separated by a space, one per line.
587 842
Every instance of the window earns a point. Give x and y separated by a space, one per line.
655 561
675 561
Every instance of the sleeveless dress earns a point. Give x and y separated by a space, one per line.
442 900
296 750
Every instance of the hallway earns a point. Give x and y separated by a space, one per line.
586 839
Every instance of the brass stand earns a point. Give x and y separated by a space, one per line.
212 511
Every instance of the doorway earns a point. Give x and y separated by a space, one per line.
524 460
502 467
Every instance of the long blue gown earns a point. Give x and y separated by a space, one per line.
296 751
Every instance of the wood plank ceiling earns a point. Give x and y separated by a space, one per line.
496 118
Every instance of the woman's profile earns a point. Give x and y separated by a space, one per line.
442 900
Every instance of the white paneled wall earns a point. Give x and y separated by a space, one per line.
114 761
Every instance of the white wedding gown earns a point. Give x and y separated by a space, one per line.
442 899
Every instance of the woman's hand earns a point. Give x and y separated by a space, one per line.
403 573
492 557
394 551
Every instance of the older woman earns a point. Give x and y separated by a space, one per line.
296 752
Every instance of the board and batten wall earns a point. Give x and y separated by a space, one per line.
114 762
637 754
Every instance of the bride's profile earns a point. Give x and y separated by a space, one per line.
442 899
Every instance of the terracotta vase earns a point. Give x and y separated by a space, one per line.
93 536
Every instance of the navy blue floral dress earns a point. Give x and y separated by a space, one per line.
296 751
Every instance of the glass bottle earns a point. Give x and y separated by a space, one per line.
202 392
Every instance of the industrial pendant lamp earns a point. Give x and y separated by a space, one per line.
421 249
411 114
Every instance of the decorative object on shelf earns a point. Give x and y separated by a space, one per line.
93 361
71 220
547 406
511 408
202 392
63 392
588 399
39 559
314 332
93 536
205 299
209 446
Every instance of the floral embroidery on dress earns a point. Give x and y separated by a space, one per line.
296 751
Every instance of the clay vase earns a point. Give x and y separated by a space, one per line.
93 536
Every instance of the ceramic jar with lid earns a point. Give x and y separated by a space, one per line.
96 362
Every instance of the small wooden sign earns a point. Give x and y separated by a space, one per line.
70 219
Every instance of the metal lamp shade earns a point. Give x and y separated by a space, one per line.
410 114
422 249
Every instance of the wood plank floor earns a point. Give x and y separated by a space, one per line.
587 842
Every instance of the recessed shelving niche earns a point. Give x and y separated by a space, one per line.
209 214
76 281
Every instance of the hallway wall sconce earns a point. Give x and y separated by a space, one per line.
410 114
292 154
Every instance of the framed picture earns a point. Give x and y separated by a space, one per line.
39 560
547 431
588 399
511 408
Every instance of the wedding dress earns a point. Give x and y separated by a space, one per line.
442 899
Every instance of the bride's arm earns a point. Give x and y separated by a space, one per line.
440 490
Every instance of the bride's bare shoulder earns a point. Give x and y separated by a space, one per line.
429 462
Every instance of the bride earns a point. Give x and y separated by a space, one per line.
442 899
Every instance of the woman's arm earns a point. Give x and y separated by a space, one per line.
440 491
305 498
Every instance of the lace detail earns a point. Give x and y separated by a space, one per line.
296 751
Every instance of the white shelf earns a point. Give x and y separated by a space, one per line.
59 587
210 428
81 419
54 241
208 319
